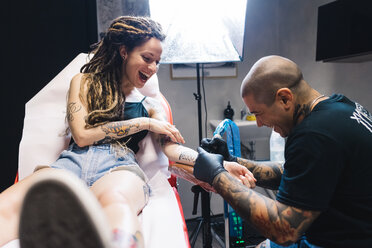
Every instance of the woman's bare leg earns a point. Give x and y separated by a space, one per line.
122 195
10 205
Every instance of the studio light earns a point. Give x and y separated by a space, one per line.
201 31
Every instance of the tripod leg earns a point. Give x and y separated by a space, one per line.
195 233
218 239
206 208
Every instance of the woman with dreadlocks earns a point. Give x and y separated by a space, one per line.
106 127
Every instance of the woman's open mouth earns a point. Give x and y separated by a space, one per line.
144 77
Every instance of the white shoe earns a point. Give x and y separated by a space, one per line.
60 211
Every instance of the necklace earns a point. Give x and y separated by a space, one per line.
316 99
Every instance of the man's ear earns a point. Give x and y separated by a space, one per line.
285 96
123 52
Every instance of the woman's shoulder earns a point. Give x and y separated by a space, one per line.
78 77
76 80
77 84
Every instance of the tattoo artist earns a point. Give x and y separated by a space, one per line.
324 194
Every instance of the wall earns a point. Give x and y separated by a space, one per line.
283 27
297 32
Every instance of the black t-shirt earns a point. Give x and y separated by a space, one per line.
134 110
329 168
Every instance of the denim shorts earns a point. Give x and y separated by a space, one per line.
92 162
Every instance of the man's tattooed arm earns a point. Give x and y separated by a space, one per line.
280 223
268 174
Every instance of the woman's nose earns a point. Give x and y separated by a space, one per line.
153 67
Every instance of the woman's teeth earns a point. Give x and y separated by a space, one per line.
144 76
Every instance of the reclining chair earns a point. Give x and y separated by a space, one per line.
44 138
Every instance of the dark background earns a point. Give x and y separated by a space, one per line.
38 39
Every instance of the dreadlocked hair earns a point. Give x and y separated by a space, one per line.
102 87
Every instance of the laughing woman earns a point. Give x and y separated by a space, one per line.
106 130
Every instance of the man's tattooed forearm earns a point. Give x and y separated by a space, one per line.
280 223
119 129
268 175
71 109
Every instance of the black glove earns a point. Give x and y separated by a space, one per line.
219 146
208 166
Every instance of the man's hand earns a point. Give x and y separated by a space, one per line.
208 166
241 173
219 146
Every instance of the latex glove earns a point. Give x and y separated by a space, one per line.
241 173
219 146
208 166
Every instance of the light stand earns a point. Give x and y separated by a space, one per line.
205 201
198 98
205 219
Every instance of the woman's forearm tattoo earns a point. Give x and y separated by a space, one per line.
115 130
186 156
118 129
71 109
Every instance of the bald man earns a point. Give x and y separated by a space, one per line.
324 194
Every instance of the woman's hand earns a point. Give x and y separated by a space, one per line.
164 127
241 173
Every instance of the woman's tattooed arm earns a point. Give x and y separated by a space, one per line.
72 108
280 223
176 152
187 156
77 112
120 129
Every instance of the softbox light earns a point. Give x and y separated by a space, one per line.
201 31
